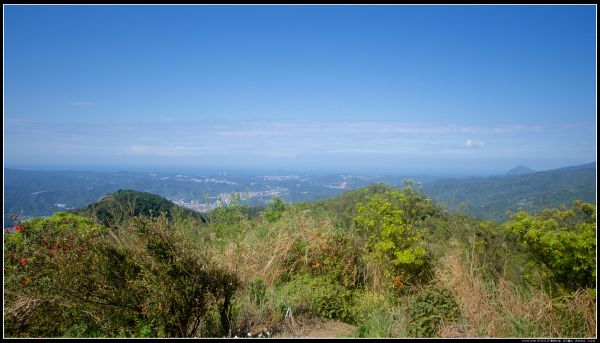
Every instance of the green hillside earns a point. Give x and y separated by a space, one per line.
490 198
378 261
116 207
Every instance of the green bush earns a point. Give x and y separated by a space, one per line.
377 325
141 280
367 302
561 241
497 253
275 209
430 308
373 314
390 225
343 208
258 292
318 296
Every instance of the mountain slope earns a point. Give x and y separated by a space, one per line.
114 207
520 170
490 198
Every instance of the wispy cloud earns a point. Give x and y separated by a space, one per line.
473 143
371 127
249 133
268 141
278 153
175 150
380 151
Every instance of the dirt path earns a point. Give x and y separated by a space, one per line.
331 329
316 328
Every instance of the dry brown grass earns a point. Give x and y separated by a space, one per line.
550 317
499 310
476 304
454 330
271 258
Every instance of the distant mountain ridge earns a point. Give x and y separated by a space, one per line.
580 166
40 193
520 170
491 197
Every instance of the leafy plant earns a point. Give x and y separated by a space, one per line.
372 312
142 280
431 307
561 241
258 291
275 209
376 325
318 296
389 224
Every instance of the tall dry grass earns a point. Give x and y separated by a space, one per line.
272 254
475 302
499 309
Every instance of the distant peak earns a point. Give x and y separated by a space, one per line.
520 170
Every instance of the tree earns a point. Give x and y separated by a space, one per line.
561 241
389 227
275 209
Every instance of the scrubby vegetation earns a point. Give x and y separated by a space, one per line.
388 261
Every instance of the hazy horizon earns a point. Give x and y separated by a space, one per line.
444 90
196 171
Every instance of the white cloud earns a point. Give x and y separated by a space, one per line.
138 148
278 152
367 127
247 133
176 150
473 143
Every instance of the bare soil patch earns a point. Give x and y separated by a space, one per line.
318 328
331 329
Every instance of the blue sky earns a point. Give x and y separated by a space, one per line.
474 89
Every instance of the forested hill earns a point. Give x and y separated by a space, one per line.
114 207
491 197
520 170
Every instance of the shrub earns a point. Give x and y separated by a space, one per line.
257 292
275 209
431 307
389 226
377 325
318 296
142 280
373 314
561 241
